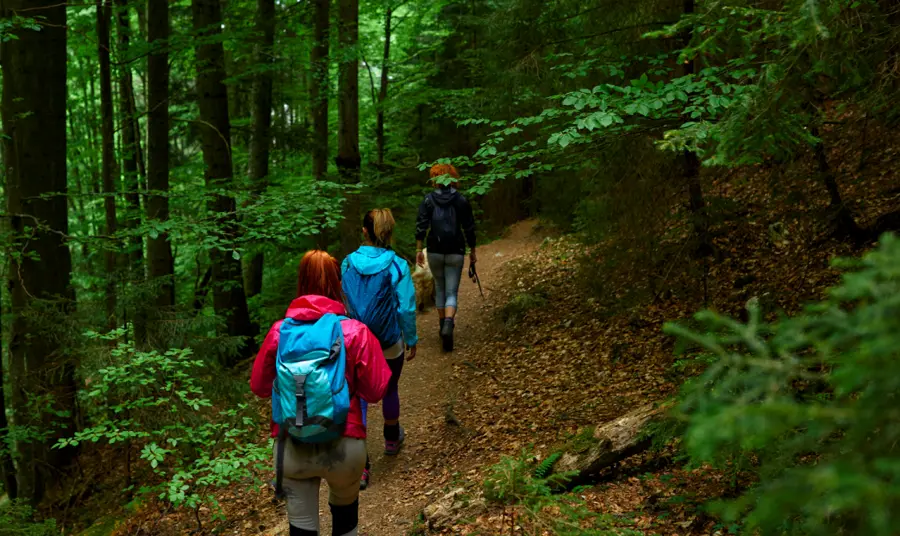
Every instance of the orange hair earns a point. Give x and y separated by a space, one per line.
320 274
443 169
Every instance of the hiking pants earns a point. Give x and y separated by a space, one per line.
447 271
340 464
390 404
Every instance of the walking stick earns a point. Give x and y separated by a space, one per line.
473 275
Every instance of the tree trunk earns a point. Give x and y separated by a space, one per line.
615 441
7 469
261 118
41 296
691 162
845 224
160 263
228 285
382 90
348 158
131 156
104 16
318 96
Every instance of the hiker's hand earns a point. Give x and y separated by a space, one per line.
472 257
420 260
411 353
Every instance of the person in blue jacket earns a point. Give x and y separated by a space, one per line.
379 291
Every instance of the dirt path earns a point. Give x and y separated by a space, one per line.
401 486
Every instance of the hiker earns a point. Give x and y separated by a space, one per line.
320 366
446 218
379 292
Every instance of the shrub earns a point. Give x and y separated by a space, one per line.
17 519
155 403
808 403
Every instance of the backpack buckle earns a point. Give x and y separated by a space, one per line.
299 382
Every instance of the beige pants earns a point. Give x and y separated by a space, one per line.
340 463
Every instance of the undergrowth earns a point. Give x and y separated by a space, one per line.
527 493
516 309
17 519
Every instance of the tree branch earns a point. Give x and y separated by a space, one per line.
609 32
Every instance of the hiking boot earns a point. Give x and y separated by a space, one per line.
391 448
447 334
364 480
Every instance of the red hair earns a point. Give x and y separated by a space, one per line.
319 274
444 169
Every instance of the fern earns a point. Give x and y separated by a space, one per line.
545 468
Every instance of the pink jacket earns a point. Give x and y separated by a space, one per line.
367 371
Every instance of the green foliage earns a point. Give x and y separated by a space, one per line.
156 403
17 519
513 312
514 483
544 469
9 25
805 403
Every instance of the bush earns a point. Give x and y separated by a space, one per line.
155 403
809 404
17 519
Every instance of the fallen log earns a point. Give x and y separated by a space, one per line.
615 440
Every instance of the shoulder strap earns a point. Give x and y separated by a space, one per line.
279 465
397 267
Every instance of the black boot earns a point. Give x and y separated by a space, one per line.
447 334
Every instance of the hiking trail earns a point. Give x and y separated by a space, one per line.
401 486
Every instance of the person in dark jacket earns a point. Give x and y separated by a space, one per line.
445 225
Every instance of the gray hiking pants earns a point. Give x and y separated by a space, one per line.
341 464
447 271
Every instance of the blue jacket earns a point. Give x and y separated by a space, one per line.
371 260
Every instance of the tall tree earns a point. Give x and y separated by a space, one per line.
160 263
104 16
7 468
696 200
382 90
318 95
318 88
41 296
229 299
348 157
261 118
132 165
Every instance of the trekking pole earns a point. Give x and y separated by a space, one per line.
473 275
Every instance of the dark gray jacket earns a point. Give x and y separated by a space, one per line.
465 233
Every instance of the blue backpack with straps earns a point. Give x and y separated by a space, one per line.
371 300
310 395
311 398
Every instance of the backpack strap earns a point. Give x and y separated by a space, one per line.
300 382
279 465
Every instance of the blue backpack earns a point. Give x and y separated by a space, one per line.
310 396
371 300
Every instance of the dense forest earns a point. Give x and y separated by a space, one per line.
167 162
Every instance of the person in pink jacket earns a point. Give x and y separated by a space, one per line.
339 463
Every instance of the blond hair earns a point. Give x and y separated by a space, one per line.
379 226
